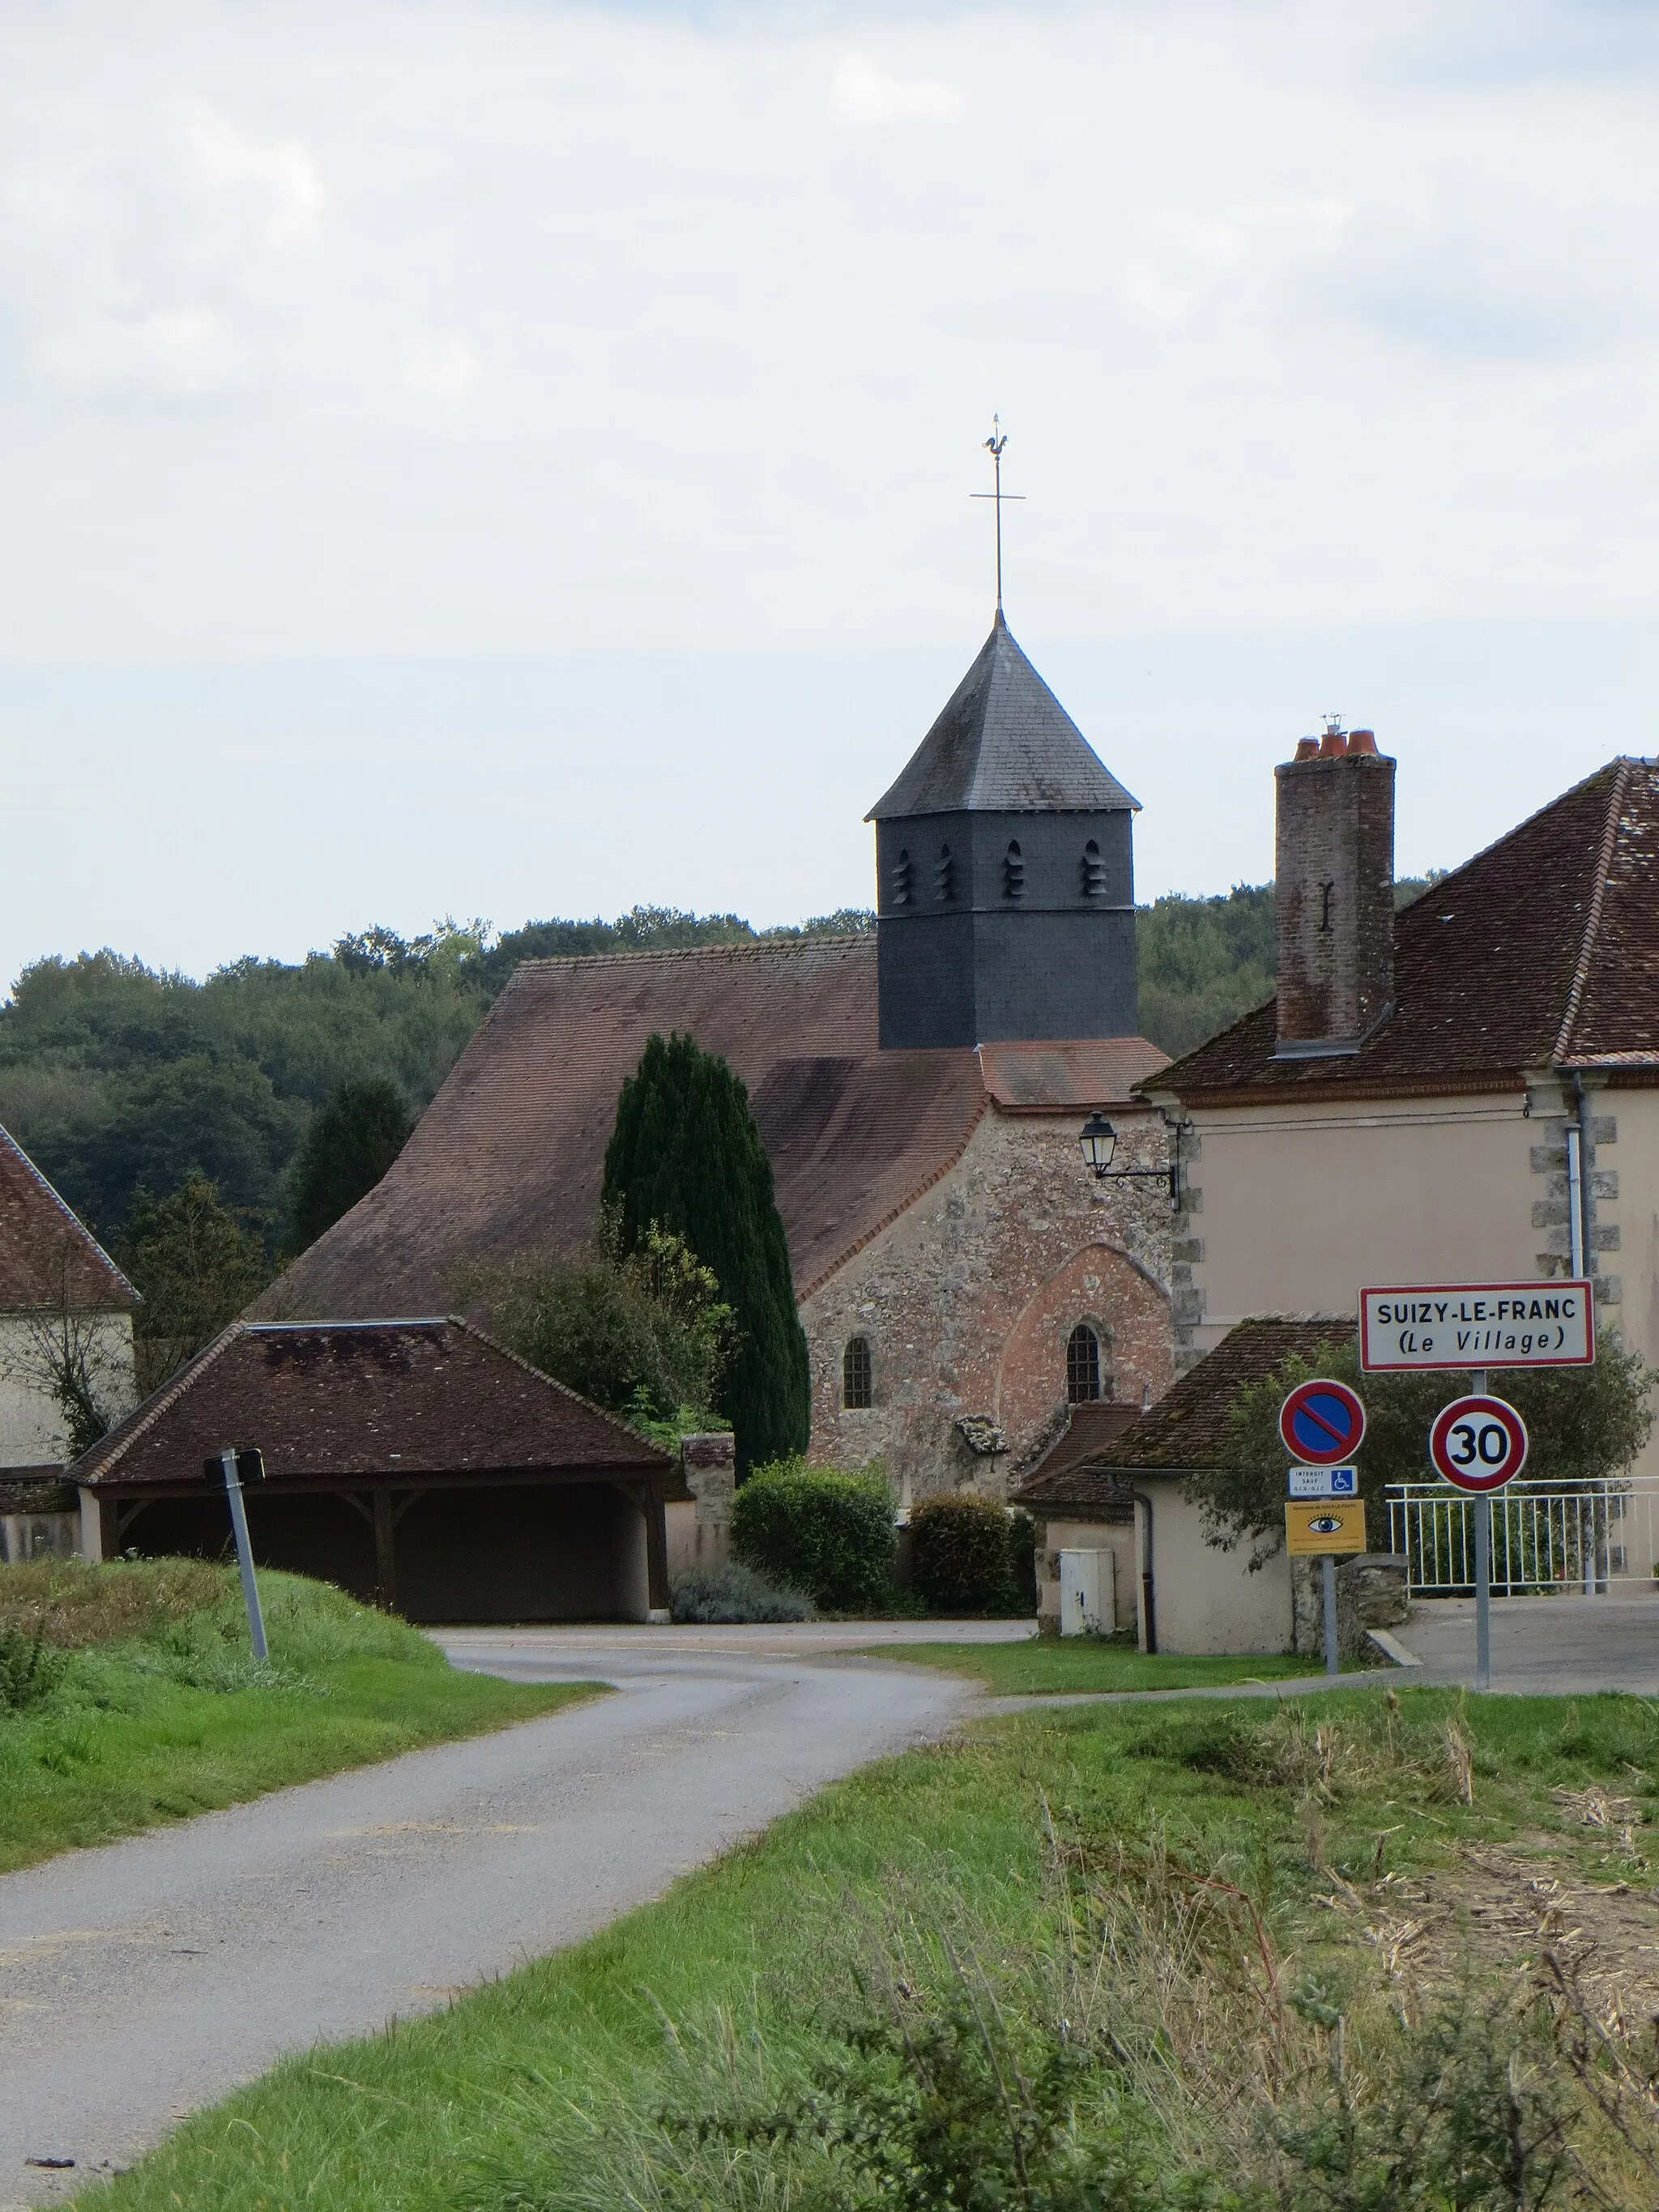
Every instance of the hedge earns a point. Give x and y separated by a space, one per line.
969 1555
829 1535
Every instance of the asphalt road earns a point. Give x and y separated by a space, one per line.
142 1980
1549 1646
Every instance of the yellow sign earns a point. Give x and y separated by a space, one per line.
1324 1524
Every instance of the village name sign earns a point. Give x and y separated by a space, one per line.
1470 1325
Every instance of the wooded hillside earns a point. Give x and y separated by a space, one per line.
116 1076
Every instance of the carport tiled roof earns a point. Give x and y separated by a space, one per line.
1189 1427
1003 744
394 1400
1543 950
44 1252
508 1158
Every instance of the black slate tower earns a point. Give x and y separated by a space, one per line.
1004 898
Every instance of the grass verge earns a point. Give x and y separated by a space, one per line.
1045 1665
129 1696
1375 1955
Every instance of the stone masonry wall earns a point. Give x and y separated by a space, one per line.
968 1300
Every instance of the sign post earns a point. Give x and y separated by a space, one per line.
232 1464
1478 1443
1320 1423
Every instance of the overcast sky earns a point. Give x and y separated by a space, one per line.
503 458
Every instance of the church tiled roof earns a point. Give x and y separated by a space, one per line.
509 1156
1543 950
1003 744
46 1253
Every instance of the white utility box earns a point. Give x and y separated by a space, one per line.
1088 1593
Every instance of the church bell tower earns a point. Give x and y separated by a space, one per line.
1004 899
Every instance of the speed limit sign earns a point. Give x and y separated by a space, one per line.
1478 1443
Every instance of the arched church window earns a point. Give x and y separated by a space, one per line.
1093 871
1082 1366
944 876
1014 872
858 1380
901 877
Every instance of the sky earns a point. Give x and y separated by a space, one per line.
498 458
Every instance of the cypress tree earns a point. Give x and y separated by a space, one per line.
686 1153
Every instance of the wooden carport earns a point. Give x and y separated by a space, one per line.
413 1461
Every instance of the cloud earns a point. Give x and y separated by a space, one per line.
447 370
863 92
286 172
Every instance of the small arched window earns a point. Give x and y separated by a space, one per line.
944 876
858 1392
1014 872
1093 871
901 877
1082 1366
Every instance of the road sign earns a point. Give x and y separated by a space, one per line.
1322 1422
1336 1525
1324 1482
1478 1443
1469 1325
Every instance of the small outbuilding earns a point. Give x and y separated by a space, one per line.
1120 1487
413 1462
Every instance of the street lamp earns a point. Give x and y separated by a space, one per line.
1098 1141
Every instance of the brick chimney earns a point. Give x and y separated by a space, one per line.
1335 885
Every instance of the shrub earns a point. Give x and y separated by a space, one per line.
30 1669
830 1535
736 1592
970 1556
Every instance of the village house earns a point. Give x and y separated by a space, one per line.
961 1277
65 1323
1467 1088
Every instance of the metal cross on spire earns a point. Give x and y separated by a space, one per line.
994 446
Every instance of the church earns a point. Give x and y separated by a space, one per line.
967 1271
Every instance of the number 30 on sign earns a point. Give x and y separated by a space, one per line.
1478 1443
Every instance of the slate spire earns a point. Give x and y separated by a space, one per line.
1003 744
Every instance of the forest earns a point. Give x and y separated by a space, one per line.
123 1081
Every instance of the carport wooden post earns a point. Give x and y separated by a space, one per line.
656 1545
385 1564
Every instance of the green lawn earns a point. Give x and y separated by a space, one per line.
144 1705
1046 1664
1138 1959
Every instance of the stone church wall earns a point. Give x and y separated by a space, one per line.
966 1302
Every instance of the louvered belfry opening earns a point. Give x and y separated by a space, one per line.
1019 924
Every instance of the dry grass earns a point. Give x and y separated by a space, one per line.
74 1606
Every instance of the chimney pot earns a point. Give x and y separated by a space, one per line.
1332 745
1307 749
1361 741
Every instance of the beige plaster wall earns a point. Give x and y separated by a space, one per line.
30 1425
968 1300
1208 1600
1292 1209
1054 1537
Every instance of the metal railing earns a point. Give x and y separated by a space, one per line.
1546 1539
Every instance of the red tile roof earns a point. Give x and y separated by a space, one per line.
1189 1426
1543 949
395 1400
44 1252
1069 1476
508 1157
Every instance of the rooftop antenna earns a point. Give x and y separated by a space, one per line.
994 446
